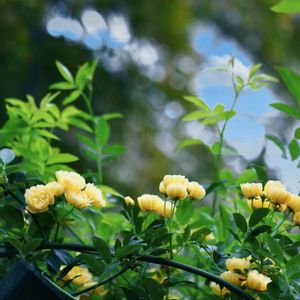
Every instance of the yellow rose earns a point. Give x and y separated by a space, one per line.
149 202
77 199
232 277
38 198
258 203
129 201
95 195
278 195
251 190
297 218
164 209
272 184
168 179
176 191
240 264
78 276
257 281
195 190
294 203
218 290
56 188
71 180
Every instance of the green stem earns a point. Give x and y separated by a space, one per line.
219 154
144 258
279 225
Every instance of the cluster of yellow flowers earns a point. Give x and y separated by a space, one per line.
77 193
81 276
273 195
239 274
177 187
174 187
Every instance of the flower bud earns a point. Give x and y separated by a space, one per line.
164 209
258 203
162 188
272 184
297 218
129 201
78 276
56 188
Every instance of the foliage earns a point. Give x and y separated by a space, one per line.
84 236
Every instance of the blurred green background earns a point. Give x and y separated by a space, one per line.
147 74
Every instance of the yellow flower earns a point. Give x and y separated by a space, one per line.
78 276
164 209
278 195
258 203
38 198
240 264
149 202
251 190
176 191
56 188
232 277
77 199
71 180
272 184
168 179
257 281
95 195
129 201
297 218
294 203
218 290
195 190
162 188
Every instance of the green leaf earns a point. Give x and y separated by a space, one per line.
275 247
198 102
297 133
61 158
289 110
184 211
294 149
15 243
65 73
277 142
114 149
72 97
292 268
198 235
86 140
126 250
62 85
247 176
196 115
240 222
287 6
102 132
257 216
111 116
109 190
261 172
12 216
102 248
188 142
291 80
31 245
253 70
